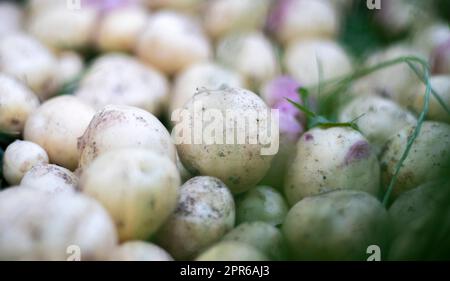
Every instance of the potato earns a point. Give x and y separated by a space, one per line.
304 57
19 158
120 126
261 203
209 75
172 41
138 187
440 58
428 159
329 159
29 61
119 29
251 54
441 85
231 251
35 225
122 80
139 251
372 114
242 163
70 66
430 36
17 102
303 19
338 225
50 178
56 126
225 16
263 236
12 18
205 212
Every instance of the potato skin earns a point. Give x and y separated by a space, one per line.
329 159
205 212
36 225
430 149
17 102
19 158
138 187
50 178
139 251
120 126
231 251
337 225
56 126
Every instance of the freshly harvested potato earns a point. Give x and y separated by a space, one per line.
138 187
231 251
50 178
205 212
120 126
70 66
441 85
56 126
19 158
12 18
36 225
338 225
17 102
139 251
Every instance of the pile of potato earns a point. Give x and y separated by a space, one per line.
96 172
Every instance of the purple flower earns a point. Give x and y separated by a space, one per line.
104 6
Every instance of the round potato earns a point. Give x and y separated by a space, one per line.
441 85
205 212
140 251
231 251
50 178
70 66
12 18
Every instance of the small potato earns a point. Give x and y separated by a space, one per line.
329 159
302 19
304 59
205 212
50 178
264 237
138 187
372 114
441 85
431 36
225 16
261 203
29 61
338 225
56 126
119 29
70 66
120 126
230 156
251 54
199 76
19 158
428 159
12 18
440 58
17 102
231 251
35 225
172 41
122 80
140 251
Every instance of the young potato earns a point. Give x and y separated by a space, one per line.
372 114
29 61
172 41
338 225
19 158
231 251
36 225
290 20
122 80
428 159
441 85
138 187
205 212
251 54
225 16
50 178
120 126
263 236
139 251
304 59
17 102
242 163
56 126
440 58
119 29
330 159
12 18
261 203
70 66
209 75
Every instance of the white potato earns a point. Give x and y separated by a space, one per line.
12 18
50 178
441 85
70 66
231 251
139 251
